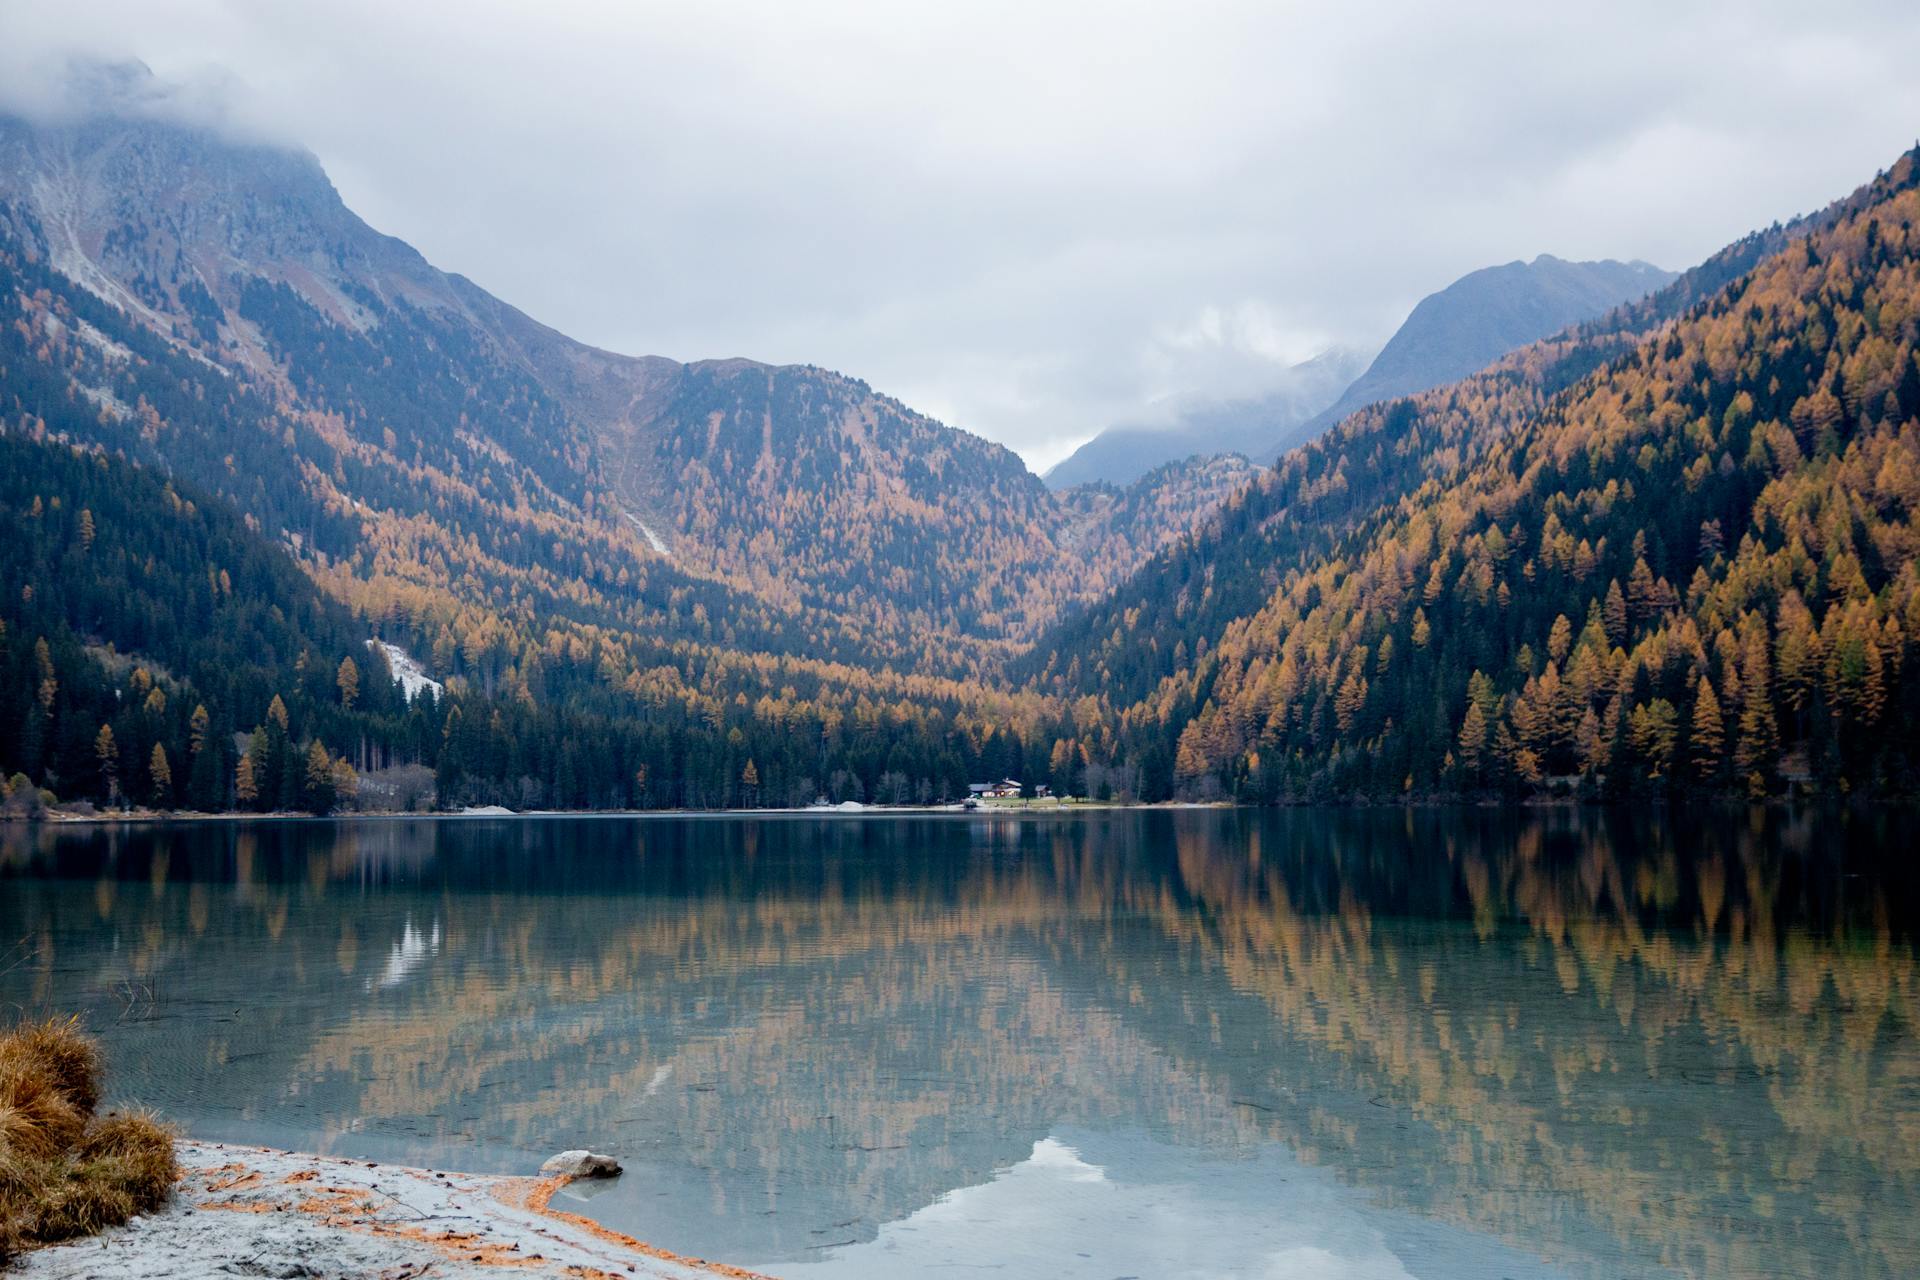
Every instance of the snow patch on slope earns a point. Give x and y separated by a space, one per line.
653 539
412 676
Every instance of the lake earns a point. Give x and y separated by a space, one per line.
1219 1043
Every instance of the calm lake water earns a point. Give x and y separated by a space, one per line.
1210 1043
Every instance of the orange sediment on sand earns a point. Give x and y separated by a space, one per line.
539 1197
240 1179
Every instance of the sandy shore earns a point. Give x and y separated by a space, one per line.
251 1211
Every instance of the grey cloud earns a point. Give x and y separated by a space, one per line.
1033 219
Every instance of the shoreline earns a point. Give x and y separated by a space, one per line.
57 818
260 1211
1534 804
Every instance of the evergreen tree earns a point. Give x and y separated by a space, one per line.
317 784
1706 741
108 754
161 774
347 678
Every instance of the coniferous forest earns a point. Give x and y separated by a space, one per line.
1668 552
160 653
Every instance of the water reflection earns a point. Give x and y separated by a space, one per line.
1430 1043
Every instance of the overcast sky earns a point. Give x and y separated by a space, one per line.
1033 220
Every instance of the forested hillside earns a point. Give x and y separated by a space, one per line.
1672 550
141 627
554 699
929 546
1184 598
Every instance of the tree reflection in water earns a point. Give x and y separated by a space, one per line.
1681 1042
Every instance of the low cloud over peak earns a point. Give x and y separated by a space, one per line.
74 86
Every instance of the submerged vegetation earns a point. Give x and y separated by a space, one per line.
66 1171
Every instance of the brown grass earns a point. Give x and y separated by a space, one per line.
69 1058
64 1171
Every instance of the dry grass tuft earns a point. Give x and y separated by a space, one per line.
68 1056
135 1148
63 1171
37 1120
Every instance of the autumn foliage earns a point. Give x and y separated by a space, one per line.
1691 567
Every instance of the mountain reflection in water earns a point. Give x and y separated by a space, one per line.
1429 1043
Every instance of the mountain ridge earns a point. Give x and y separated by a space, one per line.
242 256
1449 334
1477 319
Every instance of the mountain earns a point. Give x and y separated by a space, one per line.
442 461
1235 561
1672 548
1450 334
1473 322
1122 454
641 582
807 488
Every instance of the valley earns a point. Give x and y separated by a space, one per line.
1579 569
